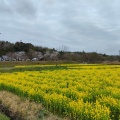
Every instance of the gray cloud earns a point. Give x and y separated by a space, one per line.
82 24
4 7
24 8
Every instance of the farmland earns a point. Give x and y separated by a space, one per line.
77 91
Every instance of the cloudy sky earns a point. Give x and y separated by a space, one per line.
89 25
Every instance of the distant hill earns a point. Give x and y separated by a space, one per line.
6 47
25 51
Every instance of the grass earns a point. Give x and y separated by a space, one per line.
22 109
25 63
3 117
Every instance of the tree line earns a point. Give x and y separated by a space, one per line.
6 47
83 57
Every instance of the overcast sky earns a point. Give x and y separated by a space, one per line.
89 25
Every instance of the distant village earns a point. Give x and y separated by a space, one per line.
20 51
36 56
22 56
25 52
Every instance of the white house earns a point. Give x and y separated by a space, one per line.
5 58
0 58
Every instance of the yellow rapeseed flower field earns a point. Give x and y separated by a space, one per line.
80 92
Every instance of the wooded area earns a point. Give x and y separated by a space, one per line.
20 51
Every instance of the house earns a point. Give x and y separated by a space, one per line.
5 58
35 59
1 59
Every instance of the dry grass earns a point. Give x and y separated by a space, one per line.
23 109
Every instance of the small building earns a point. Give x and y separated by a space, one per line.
35 59
1 59
5 58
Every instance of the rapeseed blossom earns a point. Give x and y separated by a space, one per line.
81 92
